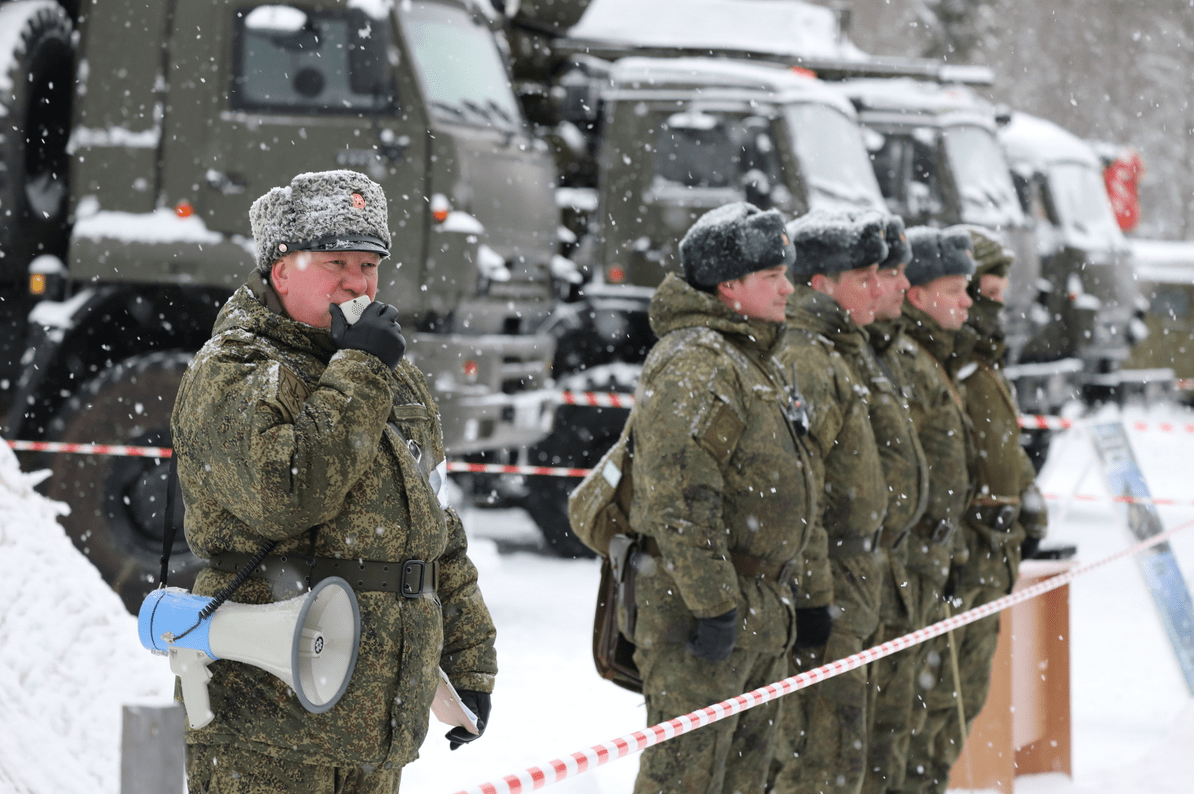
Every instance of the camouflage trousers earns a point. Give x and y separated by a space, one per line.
938 738
898 707
729 756
823 736
228 769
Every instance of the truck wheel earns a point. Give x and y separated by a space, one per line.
547 504
117 502
36 108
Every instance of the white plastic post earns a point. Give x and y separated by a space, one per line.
152 750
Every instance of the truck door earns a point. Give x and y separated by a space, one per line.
259 93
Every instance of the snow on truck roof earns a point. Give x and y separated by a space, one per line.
1036 141
785 27
715 73
908 95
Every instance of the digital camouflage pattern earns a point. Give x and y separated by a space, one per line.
1004 474
825 732
939 543
728 756
226 769
280 436
718 470
906 471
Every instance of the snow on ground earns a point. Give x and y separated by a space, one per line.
71 656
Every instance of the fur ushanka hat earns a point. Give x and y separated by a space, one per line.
733 241
899 251
323 211
831 243
937 253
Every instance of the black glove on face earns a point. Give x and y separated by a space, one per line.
377 332
479 703
715 637
1029 547
812 627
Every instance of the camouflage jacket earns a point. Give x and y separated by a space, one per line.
719 471
822 353
280 436
926 354
905 467
1005 473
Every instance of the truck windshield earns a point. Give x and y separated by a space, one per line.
1080 198
982 176
459 67
832 158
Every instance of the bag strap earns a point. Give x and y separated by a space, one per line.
169 526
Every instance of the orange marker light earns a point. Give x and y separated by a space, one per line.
183 209
616 274
37 283
471 368
440 207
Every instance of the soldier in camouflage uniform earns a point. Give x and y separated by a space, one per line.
723 502
1007 508
935 308
825 732
296 427
906 472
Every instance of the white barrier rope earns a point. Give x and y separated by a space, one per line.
537 777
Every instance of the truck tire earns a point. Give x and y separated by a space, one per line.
36 108
547 504
117 502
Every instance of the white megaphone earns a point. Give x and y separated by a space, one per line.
310 642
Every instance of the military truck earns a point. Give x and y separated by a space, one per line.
1095 305
136 136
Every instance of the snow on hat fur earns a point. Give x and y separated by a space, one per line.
899 251
831 243
937 253
733 241
322 211
990 252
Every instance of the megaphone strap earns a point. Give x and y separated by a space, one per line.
412 578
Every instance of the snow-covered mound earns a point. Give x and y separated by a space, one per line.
70 657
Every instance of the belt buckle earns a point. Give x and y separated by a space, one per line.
414 574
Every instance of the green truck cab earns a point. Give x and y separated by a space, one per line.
1095 307
175 116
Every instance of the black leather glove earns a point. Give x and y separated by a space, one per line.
377 332
479 703
812 626
1029 547
715 637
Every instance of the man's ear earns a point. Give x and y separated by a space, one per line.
279 276
916 296
822 283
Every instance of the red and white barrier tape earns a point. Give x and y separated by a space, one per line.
1130 500
537 777
91 449
597 399
497 468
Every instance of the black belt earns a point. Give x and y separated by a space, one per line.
412 579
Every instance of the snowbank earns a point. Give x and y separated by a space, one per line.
71 657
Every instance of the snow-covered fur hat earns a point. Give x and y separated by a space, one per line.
991 253
733 241
898 249
937 253
323 211
832 242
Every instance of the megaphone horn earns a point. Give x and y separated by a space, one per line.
310 642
